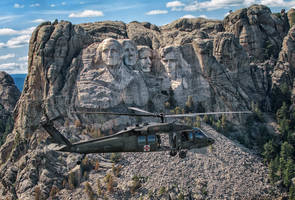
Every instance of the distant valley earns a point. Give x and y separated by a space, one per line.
19 80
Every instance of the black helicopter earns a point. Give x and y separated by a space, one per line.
140 138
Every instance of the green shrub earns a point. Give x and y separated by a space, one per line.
135 184
115 157
72 180
162 190
89 191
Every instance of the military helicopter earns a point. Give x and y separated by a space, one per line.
140 138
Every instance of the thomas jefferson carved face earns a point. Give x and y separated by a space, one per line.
130 53
111 52
145 58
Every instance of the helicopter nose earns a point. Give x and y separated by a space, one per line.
211 141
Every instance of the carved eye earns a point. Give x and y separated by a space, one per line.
113 51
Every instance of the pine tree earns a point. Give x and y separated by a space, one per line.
189 105
287 151
198 122
178 110
273 168
171 99
200 108
269 152
206 119
218 125
284 128
292 192
282 113
288 172
223 123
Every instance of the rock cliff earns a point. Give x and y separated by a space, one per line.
9 94
220 65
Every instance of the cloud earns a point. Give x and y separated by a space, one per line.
16 5
39 20
277 3
24 58
16 42
35 5
214 4
63 3
52 5
7 18
188 16
203 16
9 31
14 68
175 5
192 16
226 4
156 12
7 56
86 13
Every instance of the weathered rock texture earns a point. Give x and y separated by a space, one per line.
9 94
222 65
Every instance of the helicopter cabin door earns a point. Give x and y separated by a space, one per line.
147 143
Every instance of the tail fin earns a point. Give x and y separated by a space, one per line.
54 133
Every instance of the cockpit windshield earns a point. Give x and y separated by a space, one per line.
198 133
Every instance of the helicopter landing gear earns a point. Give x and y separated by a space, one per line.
173 153
80 161
182 154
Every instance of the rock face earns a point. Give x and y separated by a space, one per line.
259 31
9 94
219 65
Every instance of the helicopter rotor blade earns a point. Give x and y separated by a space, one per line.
113 113
140 110
208 113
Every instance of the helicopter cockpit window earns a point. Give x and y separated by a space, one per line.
141 140
190 136
199 134
151 139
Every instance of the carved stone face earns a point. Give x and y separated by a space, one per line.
130 53
145 59
110 53
170 63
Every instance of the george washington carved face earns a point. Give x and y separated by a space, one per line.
111 52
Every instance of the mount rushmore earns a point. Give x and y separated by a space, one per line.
221 65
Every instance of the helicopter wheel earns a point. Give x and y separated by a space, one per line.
173 153
182 154
80 161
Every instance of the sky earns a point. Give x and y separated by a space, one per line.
18 18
